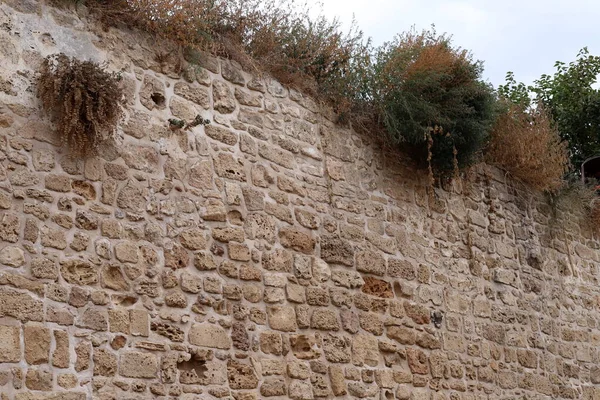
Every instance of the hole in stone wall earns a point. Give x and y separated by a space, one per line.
397 289
192 371
388 395
158 99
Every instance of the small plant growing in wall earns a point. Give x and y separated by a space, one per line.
176 124
83 100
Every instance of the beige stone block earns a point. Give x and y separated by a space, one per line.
37 343
133 364
139 323
118 321
10 344
61 354
209 335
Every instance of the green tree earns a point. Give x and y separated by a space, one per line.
571 100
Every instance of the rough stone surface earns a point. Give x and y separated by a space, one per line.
209 335
37 344
134 364
10 344
268 254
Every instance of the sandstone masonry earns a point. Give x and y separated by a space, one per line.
269 254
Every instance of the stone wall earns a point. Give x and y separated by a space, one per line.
269 254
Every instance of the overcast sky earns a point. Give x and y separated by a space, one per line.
523 36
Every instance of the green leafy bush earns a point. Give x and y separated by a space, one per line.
431 97
572 101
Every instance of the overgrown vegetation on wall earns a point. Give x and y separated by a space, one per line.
571 100
431 97
525 142
418 91
83 100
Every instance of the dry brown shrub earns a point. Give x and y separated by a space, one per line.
525 144
82 99
278 37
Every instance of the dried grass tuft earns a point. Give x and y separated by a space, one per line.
525 144
83 100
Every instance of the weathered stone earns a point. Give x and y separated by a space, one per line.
196 94
204 261
232 72
348 279
273 386
300 390
86 220
224 101
221 134
176 257
365 350
134 364
78 272
9 228
324 319
209 335
282 318
280 157
39 379
139 323
370 262
338 384
105 362
193 239
226 166
54 238
176 299
61 356
118 320
200 175
10 344
337 349
37 344
241 376
12 256
297 240
20 306
94 318
82 351
337 251
402 335
113 278
84 189
152 94
377 287
58 183
131 198
67 381
418 362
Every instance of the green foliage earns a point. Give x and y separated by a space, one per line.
571 100
515 92
574 104
432 98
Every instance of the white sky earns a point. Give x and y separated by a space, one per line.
523 36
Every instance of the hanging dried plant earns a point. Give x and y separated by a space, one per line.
82 99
